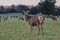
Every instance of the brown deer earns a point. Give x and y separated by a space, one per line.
0 19
5 19
54 18
20 18
34 21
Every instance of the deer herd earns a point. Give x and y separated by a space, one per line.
33 21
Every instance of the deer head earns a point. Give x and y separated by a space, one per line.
26 12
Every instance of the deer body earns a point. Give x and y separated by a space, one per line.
34 21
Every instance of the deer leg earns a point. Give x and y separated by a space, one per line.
56 20
38 29
0 20
42 29
4 20
31 29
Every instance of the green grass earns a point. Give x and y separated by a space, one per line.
15 30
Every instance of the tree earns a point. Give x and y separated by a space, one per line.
34 10
12 9
47 6
21 7
1 9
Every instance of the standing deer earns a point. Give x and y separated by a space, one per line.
5 19
34 21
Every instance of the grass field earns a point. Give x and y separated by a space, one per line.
15 30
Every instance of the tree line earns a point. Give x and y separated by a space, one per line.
12 9
45 7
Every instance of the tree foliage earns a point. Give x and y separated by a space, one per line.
47 6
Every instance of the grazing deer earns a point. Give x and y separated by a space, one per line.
54 18
34 21
21 18
5 19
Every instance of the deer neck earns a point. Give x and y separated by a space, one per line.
27 17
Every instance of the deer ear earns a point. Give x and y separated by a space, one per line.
23 11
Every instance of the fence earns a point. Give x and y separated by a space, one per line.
16 15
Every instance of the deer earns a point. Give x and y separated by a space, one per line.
5 19
34 21
54 18
20 18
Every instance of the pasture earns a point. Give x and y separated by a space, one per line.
12 29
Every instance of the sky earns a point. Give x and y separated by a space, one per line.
25 2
